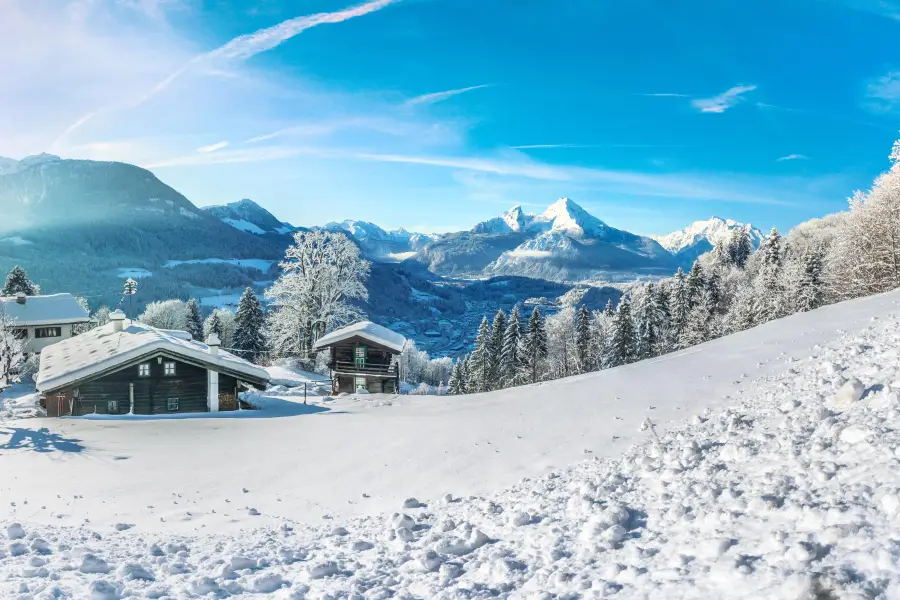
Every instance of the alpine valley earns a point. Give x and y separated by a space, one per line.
84 226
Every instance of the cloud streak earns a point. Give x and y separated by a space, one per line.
883 94
724 101
247 46
666 95
793 157
441 96
212 147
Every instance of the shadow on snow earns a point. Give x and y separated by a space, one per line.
38 440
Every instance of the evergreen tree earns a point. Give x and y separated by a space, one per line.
663 343
583 352
621 347
510 355
695 282
249 339
769 296
534 348
647 324
194 320
498 332
739 247
811 286
679 309
212 325
464 375
609 310
479 364
17 282
457 383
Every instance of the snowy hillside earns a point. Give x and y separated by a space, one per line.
774 475
249 216
378 243
702 236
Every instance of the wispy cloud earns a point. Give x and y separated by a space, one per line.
724 101
883 94
793 157
441 96
249 45
564 146
665 95
212 147
884 8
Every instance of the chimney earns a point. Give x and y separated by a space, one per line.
21 298
213 342
117 318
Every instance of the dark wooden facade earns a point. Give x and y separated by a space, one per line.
156 390
376 370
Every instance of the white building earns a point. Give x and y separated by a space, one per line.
43 320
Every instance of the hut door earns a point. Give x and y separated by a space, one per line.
359 356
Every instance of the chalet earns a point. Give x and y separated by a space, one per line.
363 356
43 320
138 369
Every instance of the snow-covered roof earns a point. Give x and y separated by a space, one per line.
103 348
364 329
53 309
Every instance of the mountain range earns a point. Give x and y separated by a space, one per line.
83 226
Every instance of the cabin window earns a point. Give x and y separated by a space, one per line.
112 406
144 370
48 332
359 355
359 383
171 403
168 369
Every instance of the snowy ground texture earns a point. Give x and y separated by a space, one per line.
790 491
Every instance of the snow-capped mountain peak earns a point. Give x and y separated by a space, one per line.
706 233
361 230
249 216
512 221
565 216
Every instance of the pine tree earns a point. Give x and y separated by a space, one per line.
583 352
811 287
647 324
510 353
679 309
695 282
621 347
194 320
479 364
457 384
212 325
739 247
534 348
498 332
249 339
663 343
17 282
769 296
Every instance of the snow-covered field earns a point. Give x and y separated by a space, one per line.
772 477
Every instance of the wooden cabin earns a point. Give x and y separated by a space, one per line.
364 356
139 369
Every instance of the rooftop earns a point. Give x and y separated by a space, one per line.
364 329
44 310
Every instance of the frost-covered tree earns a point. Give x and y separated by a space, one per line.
510 353
562 357
323 275
695 281
768 282
583 333
249 328
621 349
809 291
17 282
679 309
193 320
212 324
498 331
739 247
534 348
417 368
865 258
457 385
12 349
165 314
479 365
100 316
648 324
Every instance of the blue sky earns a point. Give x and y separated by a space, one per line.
436 114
